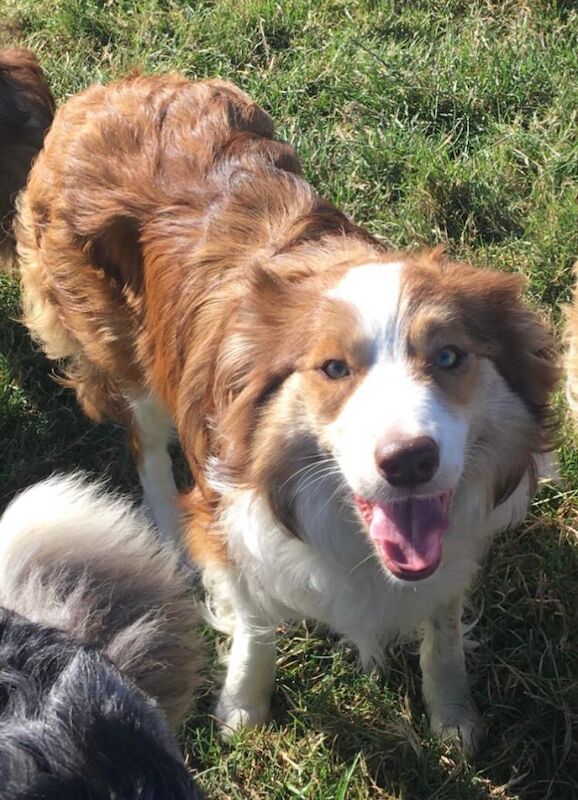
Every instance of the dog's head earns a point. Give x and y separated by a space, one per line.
395 381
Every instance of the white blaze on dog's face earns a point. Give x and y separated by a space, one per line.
395 404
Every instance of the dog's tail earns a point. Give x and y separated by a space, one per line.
75 558
26 113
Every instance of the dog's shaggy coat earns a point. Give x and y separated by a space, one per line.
98 653
26 111
358 422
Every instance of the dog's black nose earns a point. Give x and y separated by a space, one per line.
408 462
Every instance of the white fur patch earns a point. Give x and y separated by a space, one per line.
390 404
387 406
374 290
64 514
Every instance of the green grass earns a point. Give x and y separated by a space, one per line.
430 121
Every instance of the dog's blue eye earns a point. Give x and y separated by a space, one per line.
335 369
448 357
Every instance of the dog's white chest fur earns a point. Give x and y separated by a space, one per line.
333 575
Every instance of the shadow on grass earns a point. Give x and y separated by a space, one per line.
42 429
384 721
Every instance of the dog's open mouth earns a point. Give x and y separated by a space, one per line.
408 534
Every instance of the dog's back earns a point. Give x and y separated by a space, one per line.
26 111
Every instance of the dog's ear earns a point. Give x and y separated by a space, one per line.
237 413
506 483
248 362
516 338
242 416
259 351
256 360
521 344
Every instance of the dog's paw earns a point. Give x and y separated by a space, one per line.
464 726
234 717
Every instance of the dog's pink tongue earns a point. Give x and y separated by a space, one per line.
409 535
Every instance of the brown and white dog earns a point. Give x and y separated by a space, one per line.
359 422
26 111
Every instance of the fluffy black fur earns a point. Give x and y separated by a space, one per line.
73 728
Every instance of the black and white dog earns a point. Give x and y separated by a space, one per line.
98 653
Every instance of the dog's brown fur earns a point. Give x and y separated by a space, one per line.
26 111
169 244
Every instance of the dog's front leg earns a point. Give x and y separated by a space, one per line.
452 711
245 696
150 436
